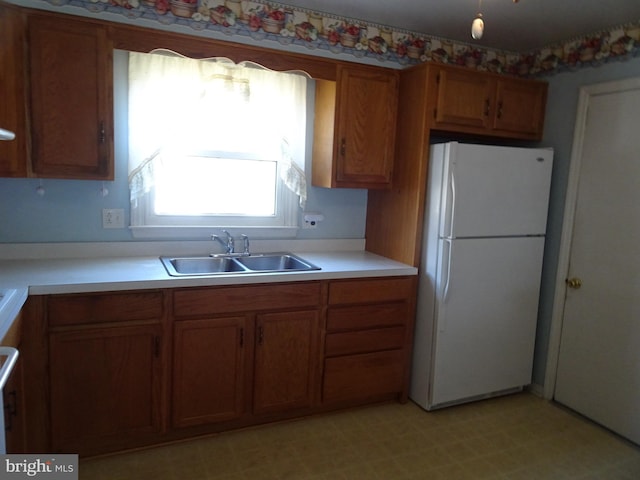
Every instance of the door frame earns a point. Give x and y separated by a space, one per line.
575 166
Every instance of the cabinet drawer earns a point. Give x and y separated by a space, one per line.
102 308
362 341
207 301
360 377
367 316
370 291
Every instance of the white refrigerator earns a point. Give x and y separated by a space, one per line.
486 215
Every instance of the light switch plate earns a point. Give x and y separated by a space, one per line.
112 218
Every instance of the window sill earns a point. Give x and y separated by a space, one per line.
204 233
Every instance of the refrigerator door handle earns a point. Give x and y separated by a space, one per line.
452 216
445 294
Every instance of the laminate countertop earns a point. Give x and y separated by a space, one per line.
23 277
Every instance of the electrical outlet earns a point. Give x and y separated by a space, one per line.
112 218
311 220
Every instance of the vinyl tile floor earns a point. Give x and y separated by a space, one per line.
514 437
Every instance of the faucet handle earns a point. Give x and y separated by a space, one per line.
245 240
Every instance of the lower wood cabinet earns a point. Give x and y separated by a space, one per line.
369 337
209 369
105 386
118 370
285 360
239 351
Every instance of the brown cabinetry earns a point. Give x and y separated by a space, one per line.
13 154
70 63
244 350
369 331
209 369
354 134
285 360
480 103
105 370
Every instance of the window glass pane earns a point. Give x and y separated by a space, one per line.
216 186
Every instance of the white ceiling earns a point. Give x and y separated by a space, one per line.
516 27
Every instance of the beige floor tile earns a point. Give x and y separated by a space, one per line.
518 437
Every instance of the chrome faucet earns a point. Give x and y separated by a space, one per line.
229 245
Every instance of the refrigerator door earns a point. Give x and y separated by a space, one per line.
492 191
485 316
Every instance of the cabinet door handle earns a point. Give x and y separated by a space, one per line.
487 107
260 335
242 337
11 407
343 147
499 109
103 136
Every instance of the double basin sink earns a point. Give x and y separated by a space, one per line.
233 264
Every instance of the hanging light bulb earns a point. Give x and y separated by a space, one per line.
477 27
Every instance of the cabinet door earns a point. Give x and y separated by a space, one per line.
520 106
464 99
208 370
105 386
285 360
365 130
71 98
13 154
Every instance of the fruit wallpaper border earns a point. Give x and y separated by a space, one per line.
273 22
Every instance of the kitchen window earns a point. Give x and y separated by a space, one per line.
214 144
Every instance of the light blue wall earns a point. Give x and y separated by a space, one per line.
71 210
558 133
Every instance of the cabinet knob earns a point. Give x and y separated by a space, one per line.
499 109
343 147
487 107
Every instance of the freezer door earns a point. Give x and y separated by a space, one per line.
485 316
493 191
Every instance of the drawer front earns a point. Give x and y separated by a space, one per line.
102 308
208 301
367 316
363 377
364 341
371 290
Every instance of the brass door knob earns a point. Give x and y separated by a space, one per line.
574 283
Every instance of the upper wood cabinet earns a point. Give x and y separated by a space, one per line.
71 72
354 132
467 101
13 154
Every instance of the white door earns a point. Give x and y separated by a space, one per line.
599 361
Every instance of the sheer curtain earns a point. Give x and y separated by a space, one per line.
186 105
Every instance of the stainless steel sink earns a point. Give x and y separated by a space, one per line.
278 262
234 264
201 265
